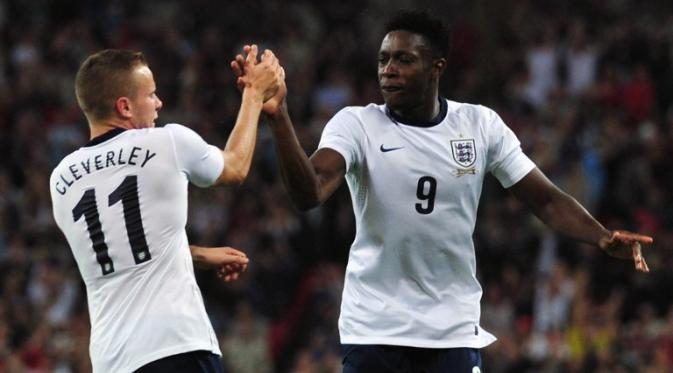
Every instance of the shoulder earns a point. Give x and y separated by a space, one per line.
65 163
360 114
176 129
368 109
181 134
472 112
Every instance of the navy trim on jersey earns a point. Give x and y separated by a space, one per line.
443 108
391 358
104 137
188 362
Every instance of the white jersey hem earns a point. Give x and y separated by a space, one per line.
423 343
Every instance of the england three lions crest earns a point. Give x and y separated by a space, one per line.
464 152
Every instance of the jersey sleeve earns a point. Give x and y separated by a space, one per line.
344 133
506 160
201 162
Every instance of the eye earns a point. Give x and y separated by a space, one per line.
406 59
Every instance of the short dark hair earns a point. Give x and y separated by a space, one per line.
103 77
421 22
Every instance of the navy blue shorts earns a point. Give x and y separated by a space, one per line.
189 362
403 359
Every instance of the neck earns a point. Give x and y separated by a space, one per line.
425 111
98 128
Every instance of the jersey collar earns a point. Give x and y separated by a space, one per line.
104 137
443 108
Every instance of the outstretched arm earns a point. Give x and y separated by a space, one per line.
564 214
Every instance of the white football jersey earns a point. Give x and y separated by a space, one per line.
411 274
121 202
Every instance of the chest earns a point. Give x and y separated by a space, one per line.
442 152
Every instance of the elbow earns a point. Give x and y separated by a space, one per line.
238 178
233 177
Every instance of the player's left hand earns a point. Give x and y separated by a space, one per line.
627 245
231 272
228 262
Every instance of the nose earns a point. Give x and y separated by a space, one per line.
160 104
388 69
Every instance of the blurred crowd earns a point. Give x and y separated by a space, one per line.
586 85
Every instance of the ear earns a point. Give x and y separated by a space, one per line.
438 67
123 107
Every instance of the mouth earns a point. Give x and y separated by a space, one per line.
391 88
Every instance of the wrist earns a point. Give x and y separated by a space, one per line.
253 94
605 239
278 114
197 253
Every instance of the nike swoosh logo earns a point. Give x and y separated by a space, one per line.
385 150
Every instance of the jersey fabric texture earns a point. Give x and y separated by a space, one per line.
411 273
121 202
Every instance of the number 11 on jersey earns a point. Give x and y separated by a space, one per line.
127 193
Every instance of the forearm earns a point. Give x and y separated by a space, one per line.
297 172
240 147
568 217
198 256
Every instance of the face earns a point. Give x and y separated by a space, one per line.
146 104
406 72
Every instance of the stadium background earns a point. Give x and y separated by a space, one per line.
586 85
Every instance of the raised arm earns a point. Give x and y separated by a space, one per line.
564 214
310 182
261 83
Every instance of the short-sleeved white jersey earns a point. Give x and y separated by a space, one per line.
121 202
411 274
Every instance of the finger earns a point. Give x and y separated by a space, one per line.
232 251
268 55
628 236
236 68
240 59
638 259
232 276
236 259
252 55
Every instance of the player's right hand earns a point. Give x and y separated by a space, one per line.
274 104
